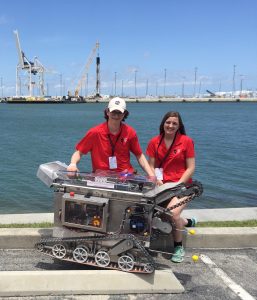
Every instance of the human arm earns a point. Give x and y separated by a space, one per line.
190 168
145 165
76 156
151 162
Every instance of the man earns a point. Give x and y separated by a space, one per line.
111 142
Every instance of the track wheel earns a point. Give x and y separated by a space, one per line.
59 251
102 258
148 268
40 247
80 253
126 262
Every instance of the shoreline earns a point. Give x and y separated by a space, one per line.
137 100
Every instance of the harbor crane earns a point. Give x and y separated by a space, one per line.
34 70
85 72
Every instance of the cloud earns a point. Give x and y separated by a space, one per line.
52 40
131 69
3 20
146 54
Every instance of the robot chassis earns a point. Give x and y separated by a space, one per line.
108 220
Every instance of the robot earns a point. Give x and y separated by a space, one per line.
109 220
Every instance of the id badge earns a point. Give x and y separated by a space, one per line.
112 162
159 173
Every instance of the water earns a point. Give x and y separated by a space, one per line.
224 135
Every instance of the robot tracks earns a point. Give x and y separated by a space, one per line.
126 253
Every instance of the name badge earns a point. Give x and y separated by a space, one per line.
159 173
112 162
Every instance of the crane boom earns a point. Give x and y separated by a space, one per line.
20 52
86 68
32 69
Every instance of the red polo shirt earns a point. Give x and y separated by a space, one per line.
96 141
175 164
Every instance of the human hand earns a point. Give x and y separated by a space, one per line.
72 170
159 182
152 178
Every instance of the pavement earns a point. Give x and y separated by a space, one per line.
88 282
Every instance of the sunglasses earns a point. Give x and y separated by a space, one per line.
116 112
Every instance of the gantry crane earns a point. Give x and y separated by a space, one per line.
32 69
85 71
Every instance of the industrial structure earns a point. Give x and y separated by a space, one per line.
84 74
97 76
33 71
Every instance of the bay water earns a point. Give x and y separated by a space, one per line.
225 136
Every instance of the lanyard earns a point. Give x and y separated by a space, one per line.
111 143
167 153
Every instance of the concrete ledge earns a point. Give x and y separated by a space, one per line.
225 237
21 238
26 218
39 283
203 215
222 214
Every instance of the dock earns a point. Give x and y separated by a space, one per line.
128 99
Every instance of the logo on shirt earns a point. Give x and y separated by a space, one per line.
124 140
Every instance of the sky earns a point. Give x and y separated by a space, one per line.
164 47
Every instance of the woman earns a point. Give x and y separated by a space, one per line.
172 157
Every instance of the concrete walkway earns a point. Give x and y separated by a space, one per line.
222 214
202 215
25 238
88 282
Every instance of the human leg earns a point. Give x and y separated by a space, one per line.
178 223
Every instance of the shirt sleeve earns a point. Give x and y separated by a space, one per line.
135 147
190 152
85 145
150 150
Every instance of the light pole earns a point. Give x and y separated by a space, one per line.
115 73
87 85
164 87
183 88
135 82
241 83
2 90
112 90
156 89
60 84
20 86
234 78
200 86
146 88
122 88
195 81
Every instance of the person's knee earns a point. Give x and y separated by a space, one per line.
176 217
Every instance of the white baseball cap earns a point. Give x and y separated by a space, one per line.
117 103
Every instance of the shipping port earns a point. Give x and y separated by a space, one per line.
30 77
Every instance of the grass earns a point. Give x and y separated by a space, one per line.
248 223
32 225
